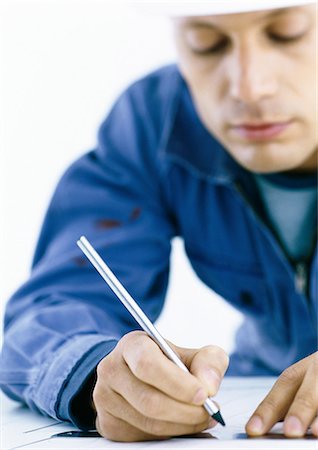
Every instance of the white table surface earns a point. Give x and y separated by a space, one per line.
238 397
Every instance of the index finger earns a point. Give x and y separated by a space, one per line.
150 365
274 406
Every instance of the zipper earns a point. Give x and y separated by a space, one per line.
300 273
301 278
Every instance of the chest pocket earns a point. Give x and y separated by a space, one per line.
241 284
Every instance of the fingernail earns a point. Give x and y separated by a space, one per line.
199 397
293 427
255 425
212 378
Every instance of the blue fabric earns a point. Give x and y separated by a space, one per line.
156 173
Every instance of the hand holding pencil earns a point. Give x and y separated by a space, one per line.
140 394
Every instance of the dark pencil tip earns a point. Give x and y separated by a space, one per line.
217 416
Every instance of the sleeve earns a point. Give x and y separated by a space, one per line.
65 319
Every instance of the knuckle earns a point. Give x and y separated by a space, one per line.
101 397
269 403
142 364
96 396
155 427
107 426
290 375
132 338
150 404
106 367
305 403
100 368
127 338
216 353
213 350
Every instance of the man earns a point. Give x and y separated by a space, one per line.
223 152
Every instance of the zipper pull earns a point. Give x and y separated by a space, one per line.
301 278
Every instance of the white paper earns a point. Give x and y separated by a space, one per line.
238 397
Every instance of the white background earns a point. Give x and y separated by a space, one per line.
62 64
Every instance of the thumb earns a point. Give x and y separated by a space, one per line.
208 364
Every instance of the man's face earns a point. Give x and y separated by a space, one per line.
253 79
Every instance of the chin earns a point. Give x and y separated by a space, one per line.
259 162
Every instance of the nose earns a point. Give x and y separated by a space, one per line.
251 74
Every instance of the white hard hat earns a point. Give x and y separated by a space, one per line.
185 8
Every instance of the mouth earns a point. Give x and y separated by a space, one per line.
260 131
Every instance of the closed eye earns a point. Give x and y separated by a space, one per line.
285 39
216 48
